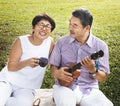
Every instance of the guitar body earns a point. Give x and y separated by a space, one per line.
75 75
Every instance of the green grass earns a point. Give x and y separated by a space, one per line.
16 17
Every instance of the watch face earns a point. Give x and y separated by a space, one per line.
94 74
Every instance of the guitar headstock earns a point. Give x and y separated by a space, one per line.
93 56
96 55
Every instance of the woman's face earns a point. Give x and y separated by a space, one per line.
42 29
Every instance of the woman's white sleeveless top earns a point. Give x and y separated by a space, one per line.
29 77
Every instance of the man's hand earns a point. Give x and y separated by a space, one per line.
88 64
62 74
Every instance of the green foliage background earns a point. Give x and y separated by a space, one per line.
16 17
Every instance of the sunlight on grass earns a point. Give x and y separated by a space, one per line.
16 17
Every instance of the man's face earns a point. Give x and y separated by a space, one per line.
76 28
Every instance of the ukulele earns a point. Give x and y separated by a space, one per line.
73 69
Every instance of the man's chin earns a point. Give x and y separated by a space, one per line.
72 35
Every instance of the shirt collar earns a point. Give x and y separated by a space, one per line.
88 42
71 40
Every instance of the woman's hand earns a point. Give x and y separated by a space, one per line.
32 62
17 65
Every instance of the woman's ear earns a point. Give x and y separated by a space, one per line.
32 30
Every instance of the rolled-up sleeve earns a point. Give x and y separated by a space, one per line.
55 57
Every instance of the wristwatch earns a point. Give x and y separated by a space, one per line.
94 73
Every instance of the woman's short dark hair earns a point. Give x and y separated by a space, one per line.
38 18
84 15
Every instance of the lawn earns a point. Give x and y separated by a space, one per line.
16 17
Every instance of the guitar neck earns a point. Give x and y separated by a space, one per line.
93 56
72 69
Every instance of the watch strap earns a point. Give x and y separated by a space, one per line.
94 73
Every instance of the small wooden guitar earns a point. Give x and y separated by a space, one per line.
73 69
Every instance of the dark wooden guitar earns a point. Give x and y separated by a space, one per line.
73 69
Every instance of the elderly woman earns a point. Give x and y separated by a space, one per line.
24 71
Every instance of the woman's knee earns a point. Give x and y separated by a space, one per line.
26 103
109 103
18 102
65 103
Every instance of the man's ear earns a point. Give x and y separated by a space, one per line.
88 27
